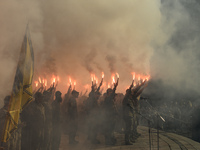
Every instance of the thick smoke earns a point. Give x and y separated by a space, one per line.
75 38
176 60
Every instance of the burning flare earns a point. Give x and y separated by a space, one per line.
113 79
36 83
133 73
102 74
70 80
39 80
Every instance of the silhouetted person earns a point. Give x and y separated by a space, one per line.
48 120
73 116
34 116
56 121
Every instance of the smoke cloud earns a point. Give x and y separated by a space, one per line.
75 38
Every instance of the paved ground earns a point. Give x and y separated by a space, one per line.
167 141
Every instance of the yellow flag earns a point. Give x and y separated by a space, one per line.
22 88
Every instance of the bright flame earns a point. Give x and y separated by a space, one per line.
148 77
43 81
74 83
45 84
92 78
70 80
102 75
96 81
133 75
113 79
139 78
36 83
39 79
117 75
134 84
54 80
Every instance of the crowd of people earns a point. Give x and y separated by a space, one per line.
50 115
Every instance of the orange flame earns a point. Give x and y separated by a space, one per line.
54 80
45 82
113 79
133 73
70 81
102 74
139 78
39 79
36 83
92 78
96 80
148 77
74 83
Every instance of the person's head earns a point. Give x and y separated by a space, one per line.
38 97
58 96
109 91
6 100
127 90
75 93
97 94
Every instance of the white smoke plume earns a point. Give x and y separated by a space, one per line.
75 38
